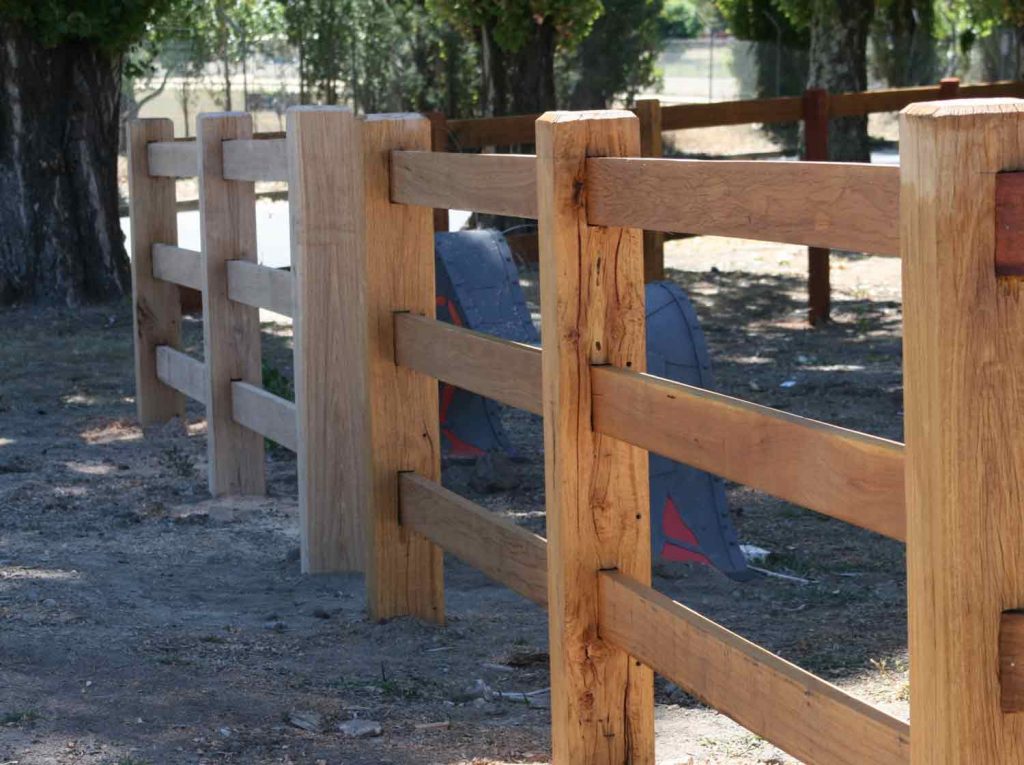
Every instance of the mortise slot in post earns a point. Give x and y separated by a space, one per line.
1010 224
1011 661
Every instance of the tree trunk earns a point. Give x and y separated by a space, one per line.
61 238
533 79
493 64
838 63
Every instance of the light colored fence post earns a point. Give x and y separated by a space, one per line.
324 193
648 110
592 312
231 331
404 572
963 354
156 304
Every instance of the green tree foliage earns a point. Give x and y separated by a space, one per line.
114 25
618 58
681 18
379 55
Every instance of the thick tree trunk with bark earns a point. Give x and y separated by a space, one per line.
838 62
532 83
60 237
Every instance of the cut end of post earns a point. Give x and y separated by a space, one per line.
962 107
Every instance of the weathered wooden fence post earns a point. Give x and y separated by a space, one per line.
156 314
592 309
819 289
648 110
231 330
964 398
404 572
324 197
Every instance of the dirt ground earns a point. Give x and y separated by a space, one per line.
143 622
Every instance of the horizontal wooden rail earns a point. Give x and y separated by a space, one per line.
178 265
684 116
261 286
500 369
173 159
501 184
256 159
793 709
892 100
181 372
841 473
506 553
821 204
260 410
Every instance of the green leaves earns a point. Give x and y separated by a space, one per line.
112 24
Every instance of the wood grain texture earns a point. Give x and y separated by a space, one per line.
841 473
683 116
260 410
172 159
823 204
181 372
178 265
1011 661
801 714
439 142
508 554
963 362
648 111
404 572
231 331
256 159
596 487
325 197
500 184
156 304
506 371
261 286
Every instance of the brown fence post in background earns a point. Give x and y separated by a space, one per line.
949 88
156 304
404 572
819 290
963 355
231 330
439 142
648 110
592 312
324 193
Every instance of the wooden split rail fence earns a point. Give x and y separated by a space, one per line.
814 109
369 352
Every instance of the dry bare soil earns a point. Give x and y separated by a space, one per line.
143 622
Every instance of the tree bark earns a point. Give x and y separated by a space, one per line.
60 234
838 63
532 82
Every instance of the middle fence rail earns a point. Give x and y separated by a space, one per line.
369 352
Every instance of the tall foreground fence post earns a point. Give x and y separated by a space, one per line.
964 398
404 572
819 288
592 312
231 330
648 111
324 193
156 314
